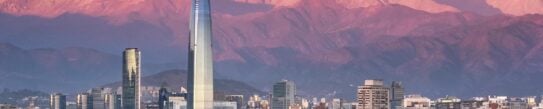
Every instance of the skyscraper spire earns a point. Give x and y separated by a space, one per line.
200 78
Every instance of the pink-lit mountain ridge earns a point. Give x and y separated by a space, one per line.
435 48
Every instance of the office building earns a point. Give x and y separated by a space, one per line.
200 66
336 103
112 100
373 95
57 101
84 101
449 102
416 102
97 98
396 95
283 95
235 98
131 96
163 101
177 101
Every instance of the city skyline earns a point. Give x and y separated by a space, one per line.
461 48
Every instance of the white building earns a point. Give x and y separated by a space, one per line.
416 102
373 95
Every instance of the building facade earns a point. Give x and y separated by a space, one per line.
396 95
97 98
416 102
236 98
337 103
449 102
163 101
283 94
84 101
57 101
200 65
131 96
112 100
373 95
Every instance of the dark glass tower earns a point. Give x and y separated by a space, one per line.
131 95
200 65
397 95
283 94
163 100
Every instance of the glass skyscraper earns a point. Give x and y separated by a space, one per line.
396 95
200 65
283 94
131 95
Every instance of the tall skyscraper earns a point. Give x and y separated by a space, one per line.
373 95
84 101
200 65
57 101
131 95
283 95
397 94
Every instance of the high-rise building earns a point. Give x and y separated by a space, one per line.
97 98
131 96
57 101
84 101
336 103
373 95
112 100
283 95
396 95
235 98
416 102
163 101
200 66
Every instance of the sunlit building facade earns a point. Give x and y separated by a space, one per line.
373 95
200 64
57 101
131 95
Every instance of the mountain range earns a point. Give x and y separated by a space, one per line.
327 47
174 79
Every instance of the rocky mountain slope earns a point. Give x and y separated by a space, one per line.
326 47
